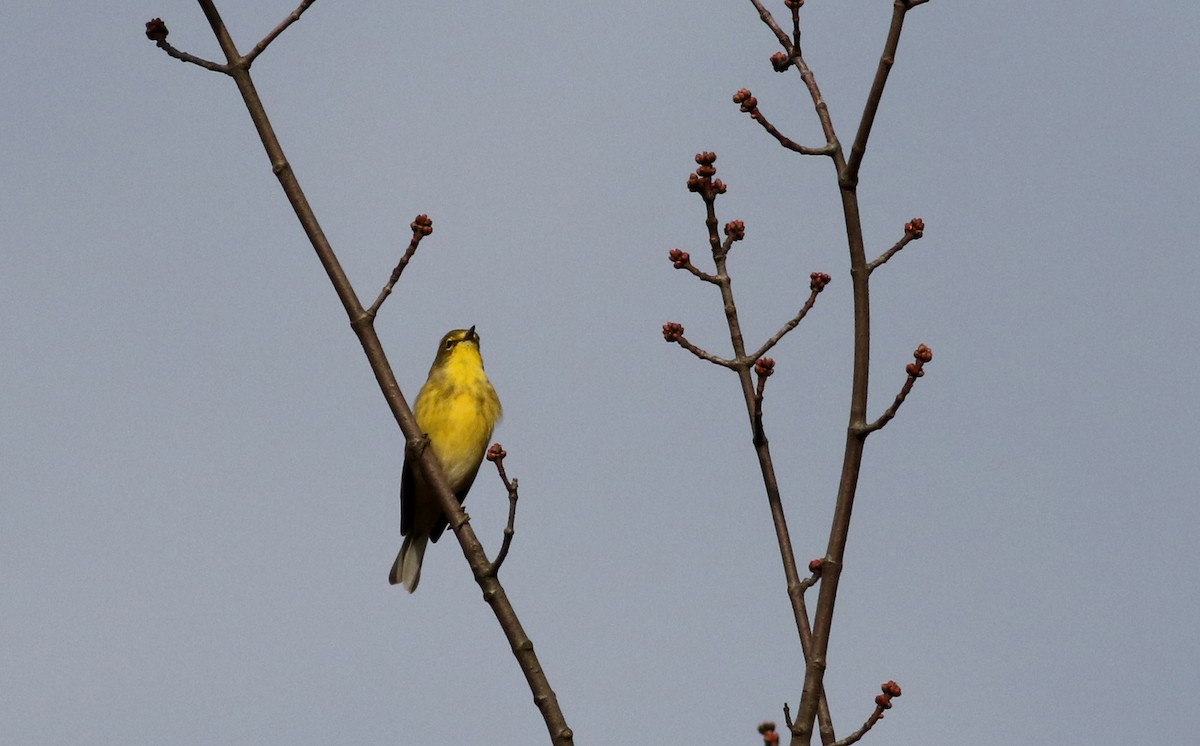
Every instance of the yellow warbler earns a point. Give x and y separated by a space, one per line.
457 409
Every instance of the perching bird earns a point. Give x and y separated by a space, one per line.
457 409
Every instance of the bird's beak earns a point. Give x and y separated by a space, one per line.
471 333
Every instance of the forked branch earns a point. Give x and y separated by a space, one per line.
237 67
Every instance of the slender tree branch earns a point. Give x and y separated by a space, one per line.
856 432
913 230
680 259
915 370
156 31
673 332
361 323
291 18
818 281
496 454
883 702
422 226
859 147
769 19
702 182
749 104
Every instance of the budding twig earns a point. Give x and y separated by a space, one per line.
156 31
749 104
421 226
913 230
915 370
673 332
496 455
817 283
883 702
292 18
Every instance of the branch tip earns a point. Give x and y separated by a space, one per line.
672 332
767 731
156 30
421 226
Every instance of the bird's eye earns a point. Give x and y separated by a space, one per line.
449 344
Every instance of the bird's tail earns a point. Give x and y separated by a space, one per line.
407 567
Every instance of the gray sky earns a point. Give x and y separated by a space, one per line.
199 477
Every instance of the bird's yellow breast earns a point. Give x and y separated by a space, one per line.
458 409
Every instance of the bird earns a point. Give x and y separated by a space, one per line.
457 409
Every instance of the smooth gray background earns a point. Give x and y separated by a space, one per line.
198 475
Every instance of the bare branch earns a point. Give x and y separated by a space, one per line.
883 702
156 31
915 370
262 45
421 226
702 182
913 230
886 60
768 19
749 104
362 324
496 455
680 259
818 281
673 332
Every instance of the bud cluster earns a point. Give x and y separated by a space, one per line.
701 180
422 225
890 690
746 99
156 30
922 355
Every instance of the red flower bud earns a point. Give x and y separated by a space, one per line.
679 258
156 30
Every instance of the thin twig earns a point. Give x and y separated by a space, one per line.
680 259
702 182
422 226
673 332
749 104
185 57
769 19
883 703
886 60
496 454
818 283
915 370
262 45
